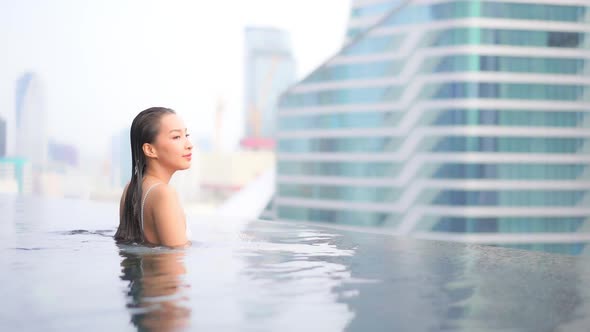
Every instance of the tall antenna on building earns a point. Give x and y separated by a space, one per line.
220 109
261 98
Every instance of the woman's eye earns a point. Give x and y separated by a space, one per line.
187 135
176 137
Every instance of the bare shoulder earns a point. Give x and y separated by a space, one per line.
163 195
169 219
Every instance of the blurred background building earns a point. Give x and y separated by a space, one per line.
62 154
31 121
22 171
120 159
269 68
451 120
16 176
224 174
3 137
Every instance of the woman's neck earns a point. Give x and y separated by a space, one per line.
159 173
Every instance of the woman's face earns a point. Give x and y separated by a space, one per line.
172 144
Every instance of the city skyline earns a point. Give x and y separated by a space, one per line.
93 72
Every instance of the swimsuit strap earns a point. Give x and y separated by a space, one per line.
143 201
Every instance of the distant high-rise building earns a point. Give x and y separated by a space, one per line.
452 120
217 139
3 137
121 158
269 70
63 153
16 176
31 120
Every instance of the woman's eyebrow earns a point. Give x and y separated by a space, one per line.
180 130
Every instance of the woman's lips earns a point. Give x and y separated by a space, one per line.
188 156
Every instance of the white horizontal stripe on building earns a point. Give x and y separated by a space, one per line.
466 130
480 23
423 79
474 157
364 22
403 208
467 103
532 2
451 184
488 50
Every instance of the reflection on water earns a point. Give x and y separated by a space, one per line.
157 291
432 286
292 280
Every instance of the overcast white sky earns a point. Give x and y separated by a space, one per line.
103 61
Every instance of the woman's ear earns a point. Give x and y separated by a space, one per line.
149 150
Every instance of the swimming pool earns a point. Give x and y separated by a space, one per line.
62 271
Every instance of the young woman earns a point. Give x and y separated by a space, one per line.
150 211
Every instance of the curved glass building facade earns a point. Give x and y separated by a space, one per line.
453 120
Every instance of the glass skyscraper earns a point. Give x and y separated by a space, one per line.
452 120
31 120
269 70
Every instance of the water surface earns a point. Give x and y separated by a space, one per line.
62 271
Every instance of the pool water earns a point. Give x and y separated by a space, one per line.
62 271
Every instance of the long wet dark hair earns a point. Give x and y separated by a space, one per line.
144 129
